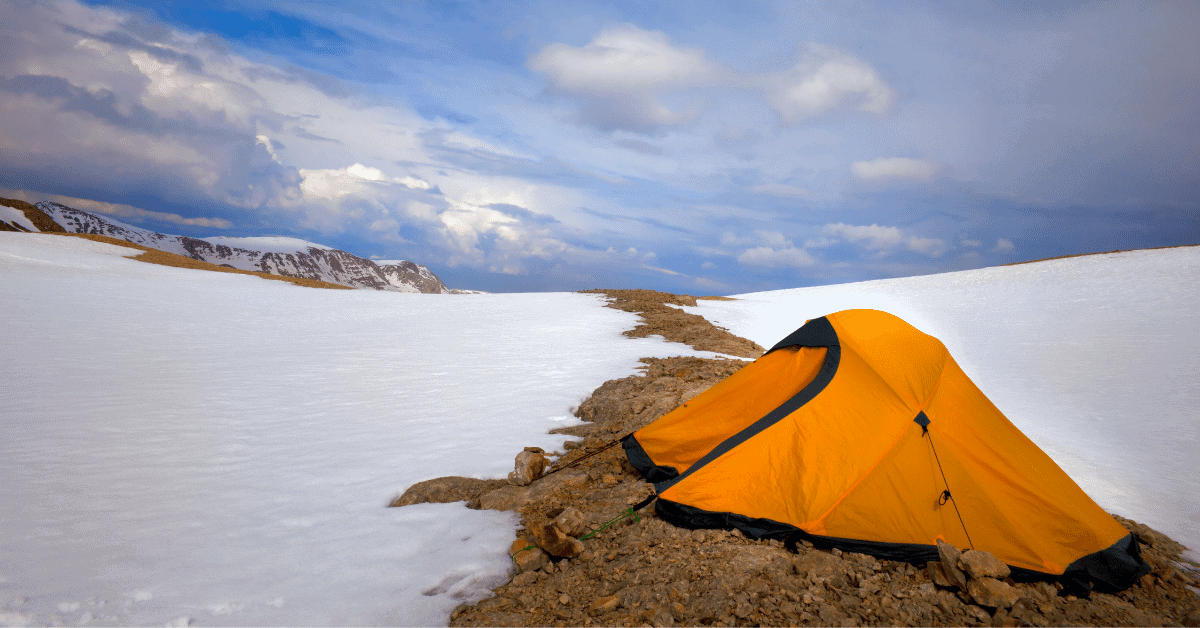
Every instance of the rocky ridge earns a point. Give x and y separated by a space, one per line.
582 557
286 257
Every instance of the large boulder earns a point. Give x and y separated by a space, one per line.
992 592
446 490
982 565
949 556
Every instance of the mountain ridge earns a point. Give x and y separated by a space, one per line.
275 255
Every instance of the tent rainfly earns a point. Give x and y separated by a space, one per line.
858 431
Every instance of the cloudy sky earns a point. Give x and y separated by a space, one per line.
707 148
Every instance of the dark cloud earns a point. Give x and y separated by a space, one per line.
301 133
639 219
523 214
129 42
645 148
433 111
106 106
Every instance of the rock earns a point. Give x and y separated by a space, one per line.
605 604
554 542
529 466
536 450
526 578
926 588
949 556
505 498
514 497
980 615
815 563
982 565
571 522
527 560
1003 620
446 490
937 574
991 592
754 559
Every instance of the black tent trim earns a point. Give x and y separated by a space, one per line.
1112 569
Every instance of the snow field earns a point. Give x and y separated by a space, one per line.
180 445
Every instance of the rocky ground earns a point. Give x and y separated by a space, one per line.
640 570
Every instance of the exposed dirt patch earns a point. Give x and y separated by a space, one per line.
658 317
636 571
163 258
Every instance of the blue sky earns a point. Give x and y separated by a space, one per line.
705 148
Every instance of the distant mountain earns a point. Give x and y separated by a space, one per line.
289 257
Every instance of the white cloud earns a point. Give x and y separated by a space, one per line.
622 60
780 189
708 266
888 168
873 236
730 239
620 74
972 243
824 79
883 239
1004 245
337 182
776 258
413 183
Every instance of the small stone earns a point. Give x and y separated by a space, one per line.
572 444
926 588
571 522
605 604
993 593
527 558
698 536
982 565
525 578
536 450
949 556
529 466
554 542
564 599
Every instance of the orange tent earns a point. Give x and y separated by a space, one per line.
858 431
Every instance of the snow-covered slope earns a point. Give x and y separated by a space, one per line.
1095 358
206 446
180 443
276 255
